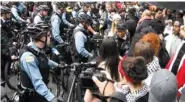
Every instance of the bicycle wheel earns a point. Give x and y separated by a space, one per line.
11 79
78 92
76 95
55 87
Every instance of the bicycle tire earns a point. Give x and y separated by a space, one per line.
7 65
58 90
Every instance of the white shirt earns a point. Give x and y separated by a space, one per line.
172 43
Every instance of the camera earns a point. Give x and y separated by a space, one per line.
86 78
97 40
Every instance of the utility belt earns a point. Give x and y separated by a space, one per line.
28 92
31 95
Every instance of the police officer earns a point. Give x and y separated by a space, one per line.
35 66
7 40
67 17
122 38
85 10
16 12
43 12
81 42
57 23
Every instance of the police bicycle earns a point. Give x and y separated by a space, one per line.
73 93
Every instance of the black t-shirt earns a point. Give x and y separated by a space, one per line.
144 98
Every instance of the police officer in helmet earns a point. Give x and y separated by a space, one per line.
42 14
6 37
81 42
17 10
85 10
35 66
5 18
57 23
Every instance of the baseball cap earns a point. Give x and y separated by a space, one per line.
163 87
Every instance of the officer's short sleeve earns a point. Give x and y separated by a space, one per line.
29 64
29 59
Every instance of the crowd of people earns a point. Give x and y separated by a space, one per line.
142 51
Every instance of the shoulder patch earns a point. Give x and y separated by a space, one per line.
29 58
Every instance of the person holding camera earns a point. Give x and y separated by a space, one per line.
81 41
132 71
109 58
34 66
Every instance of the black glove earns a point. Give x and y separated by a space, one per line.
72 26
54 99
60 99
66 43
61 65
63 44
91 56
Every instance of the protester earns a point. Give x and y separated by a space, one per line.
110 58
163 87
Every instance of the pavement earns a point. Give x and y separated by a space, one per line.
13 81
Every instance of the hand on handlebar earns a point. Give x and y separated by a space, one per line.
71 25
88 64
61 65
63 44
91 56
96 33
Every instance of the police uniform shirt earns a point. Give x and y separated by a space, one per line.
55 23
29 64
38 18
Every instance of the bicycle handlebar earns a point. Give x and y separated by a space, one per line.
73 65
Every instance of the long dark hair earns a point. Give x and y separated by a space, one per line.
109 54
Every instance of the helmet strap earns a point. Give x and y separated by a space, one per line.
40 40
45 42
